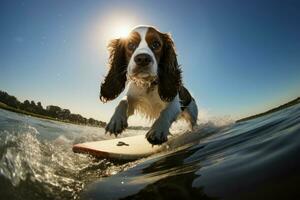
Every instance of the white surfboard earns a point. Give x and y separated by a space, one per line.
128 148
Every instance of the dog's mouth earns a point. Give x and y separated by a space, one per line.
142 73
142 78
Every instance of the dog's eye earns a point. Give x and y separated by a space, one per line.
131 46
155 45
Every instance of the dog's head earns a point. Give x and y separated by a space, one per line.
146 55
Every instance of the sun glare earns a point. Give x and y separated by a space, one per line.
112 27
120 27
122 31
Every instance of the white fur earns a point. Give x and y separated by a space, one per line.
144 98
118 121
190 113
142 48
147 101
160 129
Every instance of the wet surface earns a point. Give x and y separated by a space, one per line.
255 159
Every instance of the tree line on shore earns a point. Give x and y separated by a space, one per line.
50 111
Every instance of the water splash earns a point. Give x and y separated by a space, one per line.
51 166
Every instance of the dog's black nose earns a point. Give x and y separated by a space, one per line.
142 59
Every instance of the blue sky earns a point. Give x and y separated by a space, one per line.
238 57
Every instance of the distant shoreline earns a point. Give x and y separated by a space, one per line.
286 105
51 112
9 108
95 123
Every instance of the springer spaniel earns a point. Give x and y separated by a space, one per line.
146 60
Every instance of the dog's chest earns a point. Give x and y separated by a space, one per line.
146 100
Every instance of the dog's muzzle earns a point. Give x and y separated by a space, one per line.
142 60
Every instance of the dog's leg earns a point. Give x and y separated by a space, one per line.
118 121
191 113
160 129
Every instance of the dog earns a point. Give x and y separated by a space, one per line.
146 61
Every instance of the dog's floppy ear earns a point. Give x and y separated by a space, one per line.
169 73
114 82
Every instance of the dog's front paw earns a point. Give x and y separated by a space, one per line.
157 135
116 125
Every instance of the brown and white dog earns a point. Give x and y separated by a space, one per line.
146 60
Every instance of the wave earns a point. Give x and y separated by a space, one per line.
36 160
42 169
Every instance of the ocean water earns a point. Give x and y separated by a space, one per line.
254 159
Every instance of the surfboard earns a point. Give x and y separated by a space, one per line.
127 148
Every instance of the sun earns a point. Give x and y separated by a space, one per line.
112 26
120 27
122 31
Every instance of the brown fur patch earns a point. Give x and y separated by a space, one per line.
169 72
133 38
154 36
114 82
